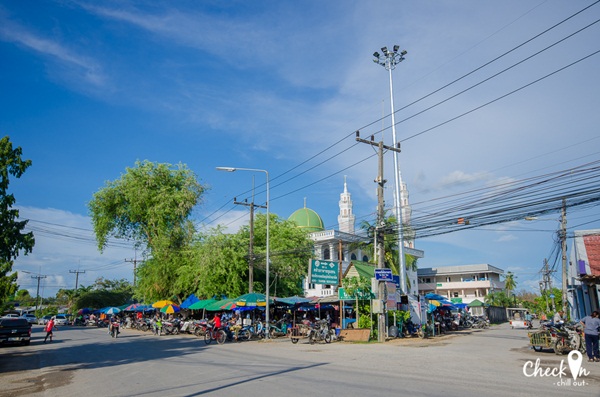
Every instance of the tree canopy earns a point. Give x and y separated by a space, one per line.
12 238
151 204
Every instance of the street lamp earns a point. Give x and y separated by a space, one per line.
233 169
389 60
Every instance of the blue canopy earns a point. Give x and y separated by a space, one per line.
431 295
189 301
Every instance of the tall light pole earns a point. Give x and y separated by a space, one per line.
233 169
389 60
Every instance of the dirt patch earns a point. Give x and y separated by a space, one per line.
30 382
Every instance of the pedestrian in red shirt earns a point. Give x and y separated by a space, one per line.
49 327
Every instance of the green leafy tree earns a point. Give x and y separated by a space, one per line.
66 296
11 231
24 298
150 204
498 298
360 289
104 293
219 262
290 251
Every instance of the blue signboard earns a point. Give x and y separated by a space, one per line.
383 274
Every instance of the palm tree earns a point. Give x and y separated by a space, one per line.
390 245
509 283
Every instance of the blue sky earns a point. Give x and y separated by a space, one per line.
87 88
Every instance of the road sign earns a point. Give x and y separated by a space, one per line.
323 272
383 274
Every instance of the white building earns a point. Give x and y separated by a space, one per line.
461 283
335 245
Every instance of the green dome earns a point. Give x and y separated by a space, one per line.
307 219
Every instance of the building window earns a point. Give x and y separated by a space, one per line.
447 279
353 257
456 294
326 254
365 258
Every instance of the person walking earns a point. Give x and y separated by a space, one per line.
50 325
592 327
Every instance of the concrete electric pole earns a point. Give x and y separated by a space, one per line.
380 229
251 244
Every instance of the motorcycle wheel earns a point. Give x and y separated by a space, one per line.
421 333
311 340
221 337
294 340
207 338
327 338
144 327
559 347
537 348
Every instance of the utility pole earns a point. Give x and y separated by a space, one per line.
379 229
563 244
134 261
39 277
547 283
251 244
76 277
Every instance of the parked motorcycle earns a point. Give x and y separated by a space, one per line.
320 331
278 329
171 327
411 329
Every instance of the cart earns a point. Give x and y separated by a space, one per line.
298 332
541 339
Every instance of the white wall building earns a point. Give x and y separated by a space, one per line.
463 283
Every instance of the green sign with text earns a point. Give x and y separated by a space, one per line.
323 272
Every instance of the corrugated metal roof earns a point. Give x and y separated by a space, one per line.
592 248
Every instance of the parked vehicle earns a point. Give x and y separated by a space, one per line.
171 327
44 320
15 330
411 329
320 331
31 318
61 319
278 329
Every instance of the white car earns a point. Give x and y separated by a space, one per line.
31 318
44 320
61 319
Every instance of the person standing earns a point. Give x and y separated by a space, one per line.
592 327
50 325
558 317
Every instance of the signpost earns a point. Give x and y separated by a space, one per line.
384 275
323 272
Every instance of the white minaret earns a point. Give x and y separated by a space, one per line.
346 218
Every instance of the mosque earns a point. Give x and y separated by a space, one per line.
340 244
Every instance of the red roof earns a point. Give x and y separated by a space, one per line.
592 247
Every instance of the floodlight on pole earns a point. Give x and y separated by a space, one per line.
233 169
389 60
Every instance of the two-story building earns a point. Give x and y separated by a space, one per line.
463 283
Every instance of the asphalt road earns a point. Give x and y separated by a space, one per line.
86 361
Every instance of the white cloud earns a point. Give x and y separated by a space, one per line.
72 66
